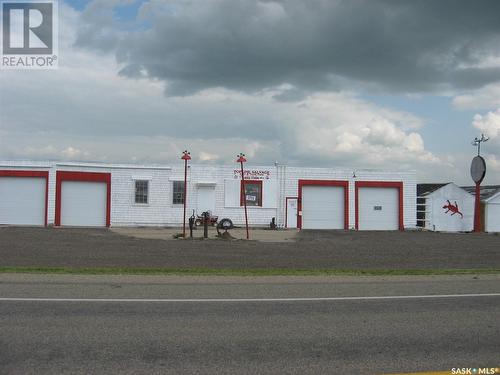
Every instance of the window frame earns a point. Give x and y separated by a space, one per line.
243 195
174 203
139 180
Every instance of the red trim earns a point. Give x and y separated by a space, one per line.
341 183
242 194
82 176
41 174
379 184
286 210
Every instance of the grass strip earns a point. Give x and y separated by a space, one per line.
247 271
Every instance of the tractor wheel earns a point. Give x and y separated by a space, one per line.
225 224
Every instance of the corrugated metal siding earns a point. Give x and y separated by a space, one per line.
161 211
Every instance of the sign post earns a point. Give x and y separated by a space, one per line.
241 159
477 172
185 156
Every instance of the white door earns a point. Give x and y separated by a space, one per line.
322 207
378 208
83 203
22 200
206 199
291 213
492 222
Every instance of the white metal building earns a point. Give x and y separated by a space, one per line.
444 208
94 194
492 212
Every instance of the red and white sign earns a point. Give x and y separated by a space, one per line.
255 174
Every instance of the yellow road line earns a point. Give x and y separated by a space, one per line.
496 370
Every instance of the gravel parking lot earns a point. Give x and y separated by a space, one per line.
69 247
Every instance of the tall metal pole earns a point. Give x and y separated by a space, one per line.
185 156
478 171
241 160
477 209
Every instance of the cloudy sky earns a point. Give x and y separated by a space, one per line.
361 84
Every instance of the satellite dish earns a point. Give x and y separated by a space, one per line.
478 169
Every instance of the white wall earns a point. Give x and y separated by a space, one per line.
445 222
160 210
293 174
492 214
279 183
124 211
228 183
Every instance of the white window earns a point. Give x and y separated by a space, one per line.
141 191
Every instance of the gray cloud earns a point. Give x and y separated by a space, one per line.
410 46
85 110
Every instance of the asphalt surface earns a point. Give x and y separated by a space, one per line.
49 247
364 336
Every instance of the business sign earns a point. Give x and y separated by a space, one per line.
253 174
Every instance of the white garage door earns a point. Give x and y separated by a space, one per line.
83 203
378 208
22 200
492 223
322 207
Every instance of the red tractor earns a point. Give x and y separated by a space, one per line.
212 220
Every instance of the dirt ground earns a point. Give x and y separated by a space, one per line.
71 247
261 235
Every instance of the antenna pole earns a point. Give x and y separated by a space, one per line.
477 142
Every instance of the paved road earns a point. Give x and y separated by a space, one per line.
49 247
359 336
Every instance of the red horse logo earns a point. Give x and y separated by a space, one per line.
453 208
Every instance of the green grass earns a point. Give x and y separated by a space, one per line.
246 272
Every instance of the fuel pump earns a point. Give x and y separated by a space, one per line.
191 224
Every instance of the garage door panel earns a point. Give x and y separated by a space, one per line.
378 208
22 200
83 203
322 207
